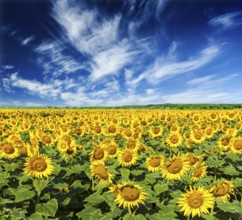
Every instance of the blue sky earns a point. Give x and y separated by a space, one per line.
120 52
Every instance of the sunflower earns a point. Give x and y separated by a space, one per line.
129 195
111 148
199 171
99 171
98 154
224 143
236 146
9 151
175 168
38 166
127 157
174 139
222 189
197 136
156 131
193 160
153 163
196 202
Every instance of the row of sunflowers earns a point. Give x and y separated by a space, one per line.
120 164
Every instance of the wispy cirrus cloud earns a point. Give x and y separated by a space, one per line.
27 40
162 69
55 61
227 21
32 87
207 89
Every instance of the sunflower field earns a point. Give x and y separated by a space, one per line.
120 164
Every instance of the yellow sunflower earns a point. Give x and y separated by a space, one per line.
196 202
197 136
199 171
127 157
175 168
153 163
222 189
99 171
129 195
38 166
236 146
156 131
98 154
174 139
9 151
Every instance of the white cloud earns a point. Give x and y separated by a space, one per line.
54 60
201 80
7 67
27 40
33 87
111 61
86 31
227 21
207 89
160 70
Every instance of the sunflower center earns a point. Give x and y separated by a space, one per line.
101 171
127 157
238 144
192 159
156 130
46 139
225 141
131 144
174 139
128 133
195 200
63 146
221 190
198 135
39 165
8 149
198 172
112 129
97 129
112 149
155 162
175 166
209 131
98 153
78 131
130 193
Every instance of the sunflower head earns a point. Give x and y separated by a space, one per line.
127 157
154 163
129 195
38 166
222 189
196 201
175 168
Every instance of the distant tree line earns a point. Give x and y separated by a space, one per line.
150 106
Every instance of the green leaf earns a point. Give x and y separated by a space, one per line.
94 199
137 172
212 162
39 185
129 216
231 171
159 188
35 216
90 213
47 209
238 182
125 174
5 201
22 194
3 179
233 207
